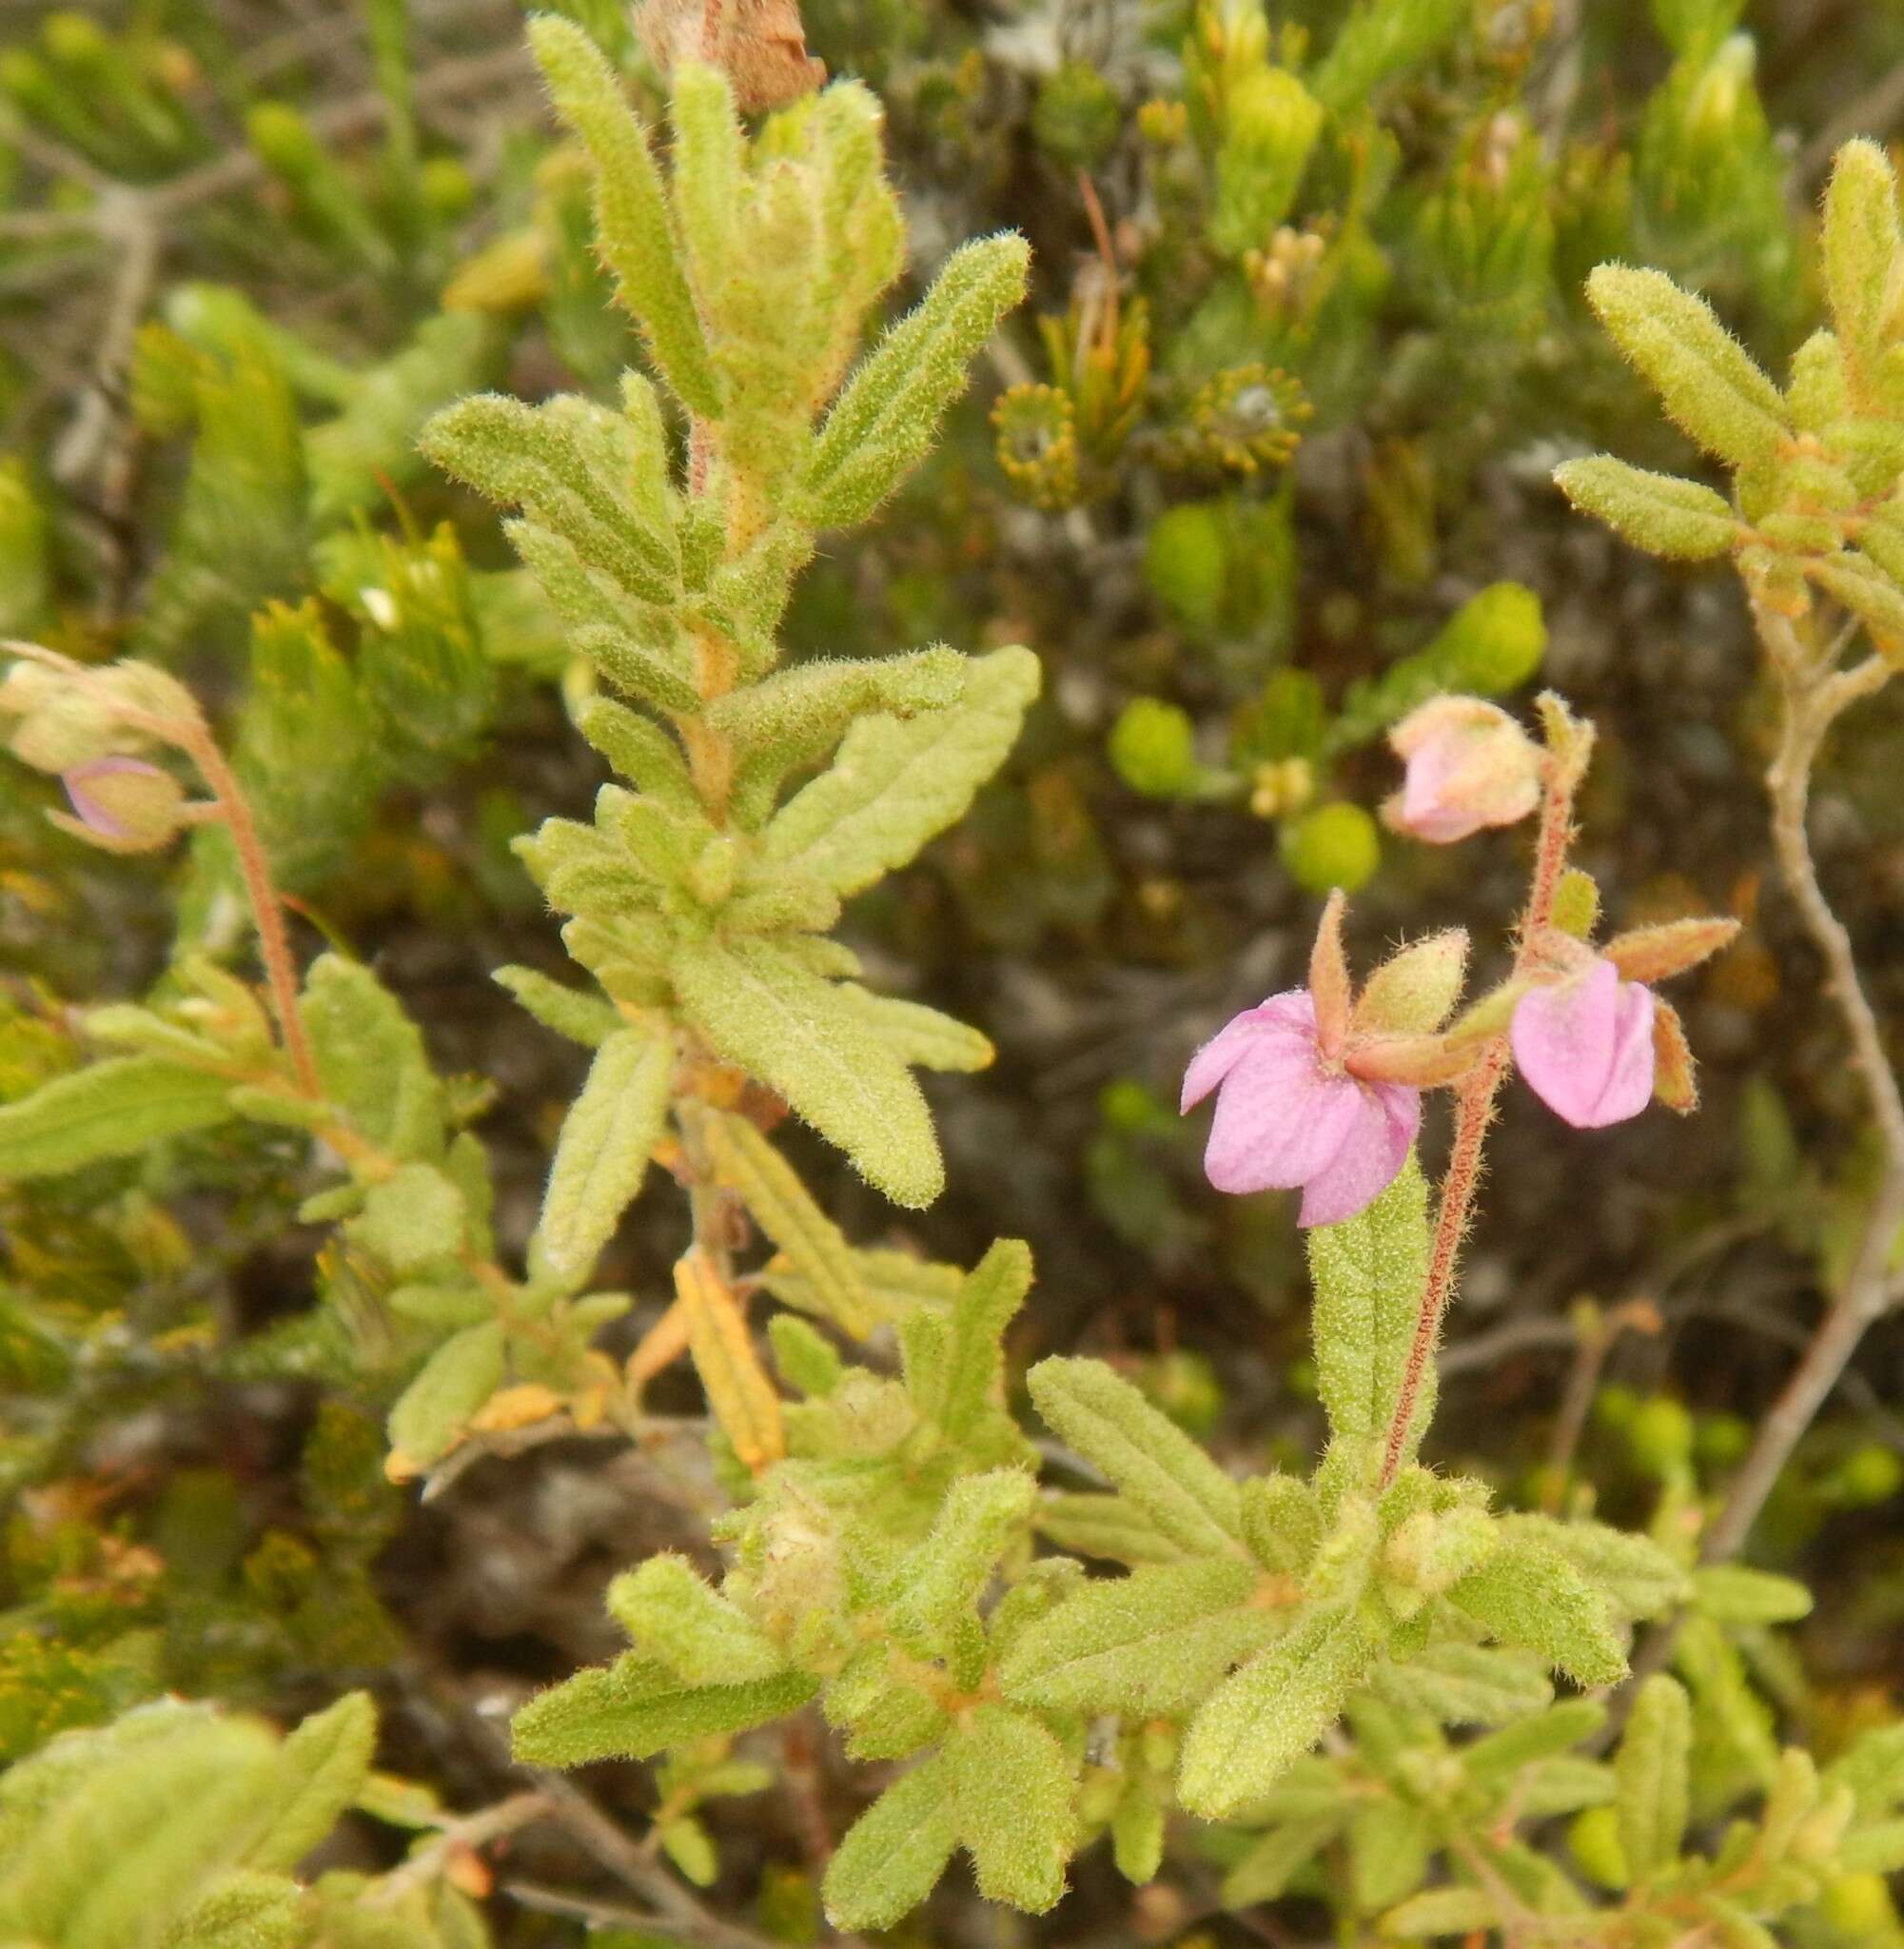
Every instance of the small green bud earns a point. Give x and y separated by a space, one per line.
1332 846
1576 903
1153 748
1593 1839
1659 1437
1186 561
447 191
1858 1905
1614 1406
712 877
282 138
122 804
1494 642
1413 992
1870 1474
1721 1439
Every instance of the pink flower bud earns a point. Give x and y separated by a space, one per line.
129 805
1469 765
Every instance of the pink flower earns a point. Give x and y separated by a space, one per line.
1585 1044
1288 1115
1469 765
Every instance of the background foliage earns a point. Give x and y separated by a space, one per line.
1264 459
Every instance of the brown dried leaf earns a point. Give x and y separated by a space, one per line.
738 1392
759 44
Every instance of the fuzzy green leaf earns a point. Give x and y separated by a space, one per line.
456 1380
636 1708
1368 1273
637 747
581 1016
1191 1501
410 1219
971 1376
1266 1871
370 1058
1389 1845
897 783
1156 1642
1268 1714
1466 1685
1442 1912
883 424
1527 1594
1016 1795
634 234
760 1009
938 1582
1660 512
1736 1595
917 1034
672 1614
813 1245
1112 1528
321 1769
242 1912
893 1855
1651 1777
601 1156
1861 245
1704 378
114 1109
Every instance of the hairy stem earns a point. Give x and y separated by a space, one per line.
1474 1112
267 909
1813 698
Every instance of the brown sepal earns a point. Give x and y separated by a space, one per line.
1657 954
1676 1079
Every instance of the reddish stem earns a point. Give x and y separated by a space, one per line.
1474 1112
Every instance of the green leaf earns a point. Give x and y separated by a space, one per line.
883 424
114 1109
1442 1912
636 1708
601 1156
814 1245
760 1009
1704 378
322 1768
1528 1594
1266 1871
1264 1717
1540 1736
1137 1834
1369 1273
1389 1845
972 1379
938 1582
919 1035
1383 38
242 1912
370 1058
456 1380
640 751
897 783
805 1357
584 1017
893 1855
1191 1501
1736 1595
1466 1685
1154 1642
634 235
1015 1793
1108 1527
676 1618
1861 243
411 1219
573 468
1651 1777
1660 512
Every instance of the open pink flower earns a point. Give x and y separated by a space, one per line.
1288 1115
1585 1044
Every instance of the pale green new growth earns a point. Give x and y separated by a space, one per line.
1658 512
601 1156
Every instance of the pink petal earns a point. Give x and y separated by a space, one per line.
1279 1119
1585 1046
1629 1084
1290 1013
1430 809
1373 1153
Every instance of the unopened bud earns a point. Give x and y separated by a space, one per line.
1413 992
1469 765
124 802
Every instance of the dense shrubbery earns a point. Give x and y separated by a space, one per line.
492 834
